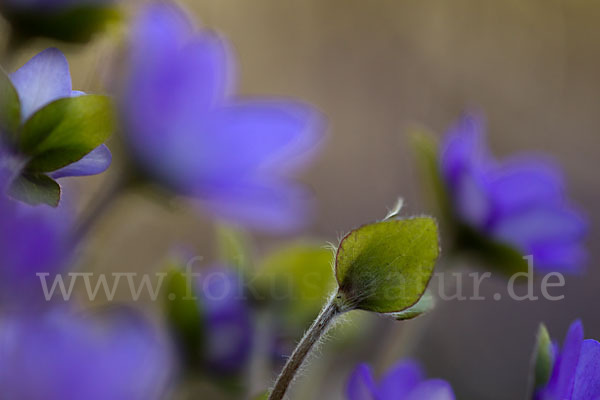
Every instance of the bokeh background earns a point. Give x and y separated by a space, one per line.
375 68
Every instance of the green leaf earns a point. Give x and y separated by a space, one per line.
262 396
298 277
543 359
234 247
65 131
76 24
10 107
35 189
425 147
385 267
184 316
425 304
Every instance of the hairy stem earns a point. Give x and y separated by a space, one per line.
319 327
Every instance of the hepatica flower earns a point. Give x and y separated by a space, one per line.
570 373
187 131
519 201
404 381
60 356
48 131
68 20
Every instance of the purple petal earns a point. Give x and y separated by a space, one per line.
472 199
522 183
361 385
544 223
95 162
587 378
58 356
160 27
433 389
266 205
400 380
565 257
175 75
264 134
32 240
463 147
562 380
43 79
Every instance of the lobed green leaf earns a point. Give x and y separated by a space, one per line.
543 359
385 267
35 189
65 131
10 108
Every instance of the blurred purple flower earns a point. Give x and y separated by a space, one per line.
403 381
42 80
520 201
186 131
33 239
226 317
576 371
60 356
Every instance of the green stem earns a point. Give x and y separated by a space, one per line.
319 327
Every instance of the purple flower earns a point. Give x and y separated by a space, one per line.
403 381
60 356
186 131
576 370
42 80
226 317
520 201
33 240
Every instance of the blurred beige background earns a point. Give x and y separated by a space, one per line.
374 67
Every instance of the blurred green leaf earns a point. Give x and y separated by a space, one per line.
35 189
10 107
184 316
77 24
543 361
299 276
425 147
234 247
385 267
262 396
425 304
66 130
